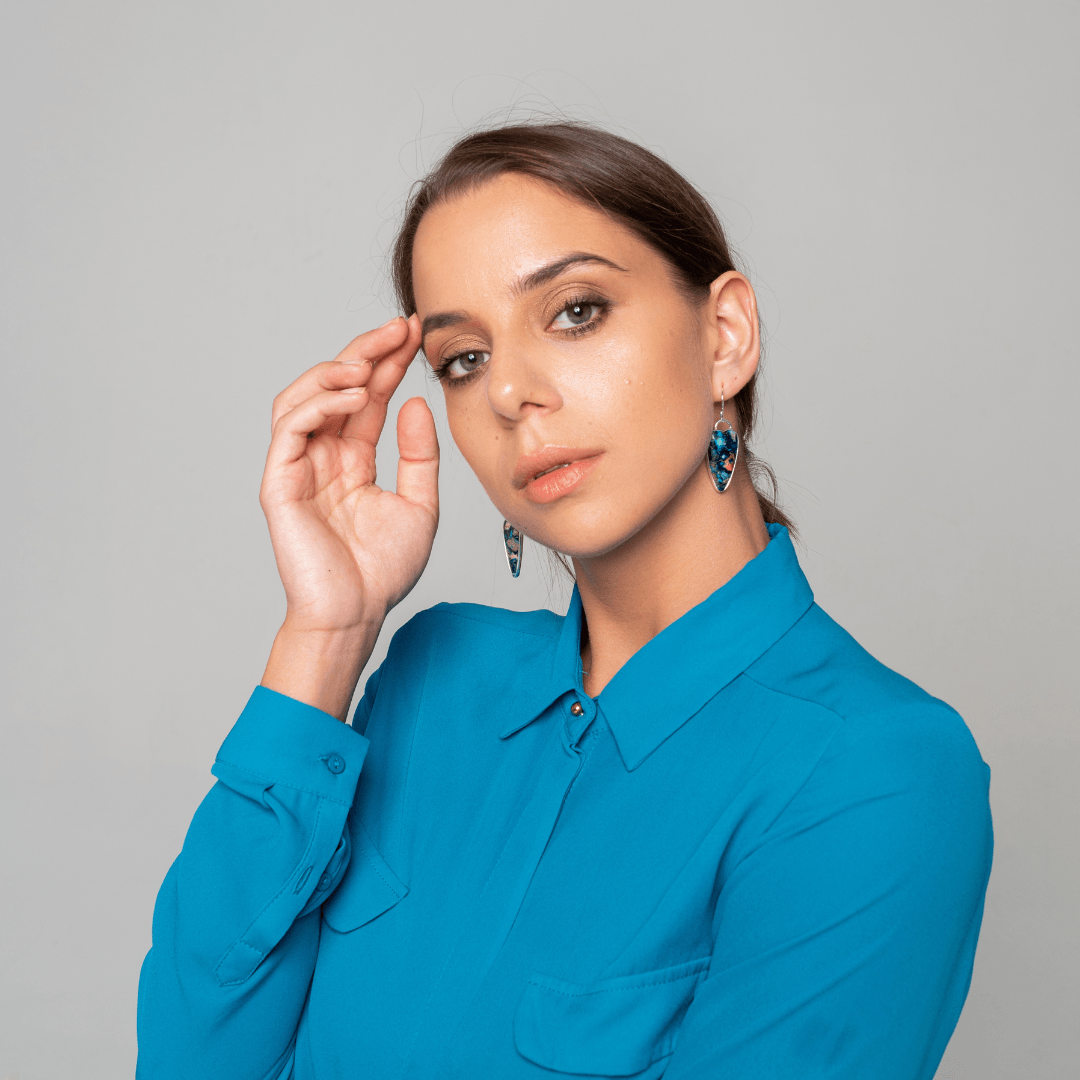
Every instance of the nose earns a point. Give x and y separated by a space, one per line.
518 384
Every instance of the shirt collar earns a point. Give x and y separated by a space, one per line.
705 649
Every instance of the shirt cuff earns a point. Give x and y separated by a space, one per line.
280 740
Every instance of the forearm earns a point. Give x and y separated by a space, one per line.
318 667
236 924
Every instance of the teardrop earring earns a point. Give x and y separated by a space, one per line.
514 542
723 451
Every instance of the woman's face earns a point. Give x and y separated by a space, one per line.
579 380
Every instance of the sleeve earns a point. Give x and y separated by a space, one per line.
846 931
236 924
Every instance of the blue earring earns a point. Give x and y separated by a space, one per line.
515 544
723 451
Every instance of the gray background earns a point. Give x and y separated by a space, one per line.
196 202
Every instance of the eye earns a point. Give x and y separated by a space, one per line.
464 364
576 313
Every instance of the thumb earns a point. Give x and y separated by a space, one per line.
418 456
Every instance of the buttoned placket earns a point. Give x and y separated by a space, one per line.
484 933
580 712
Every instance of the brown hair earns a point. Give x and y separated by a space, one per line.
619 177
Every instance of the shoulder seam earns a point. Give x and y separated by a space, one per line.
930 700
493 622
794 697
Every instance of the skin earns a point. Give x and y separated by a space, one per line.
629 376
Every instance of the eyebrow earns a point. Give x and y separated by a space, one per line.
523 285
437 322
554 269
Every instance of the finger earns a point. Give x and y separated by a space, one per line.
353 366
330 375
418 463
290 438
375 344
384 380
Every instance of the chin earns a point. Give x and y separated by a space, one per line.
587 531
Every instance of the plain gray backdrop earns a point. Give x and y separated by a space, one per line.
197 199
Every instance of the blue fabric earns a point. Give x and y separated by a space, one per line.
759 854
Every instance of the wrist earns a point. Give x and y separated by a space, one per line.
320 667
322 639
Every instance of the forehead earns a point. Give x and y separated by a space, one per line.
491 236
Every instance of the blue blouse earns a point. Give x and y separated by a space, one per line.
759 854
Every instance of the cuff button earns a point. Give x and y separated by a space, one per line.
335 763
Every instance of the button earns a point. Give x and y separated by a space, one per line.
335 763
577 709
324 883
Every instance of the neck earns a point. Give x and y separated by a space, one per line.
699 541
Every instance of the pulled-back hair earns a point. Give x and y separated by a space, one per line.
618 177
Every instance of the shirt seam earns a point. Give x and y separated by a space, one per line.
492 622
694 973
451 955
849 717
366 855
241 940
765 833
282 783
796 697
844 719
653 744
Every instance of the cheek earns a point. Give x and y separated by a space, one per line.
479 439
462 425
651 392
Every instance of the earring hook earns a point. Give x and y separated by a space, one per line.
716 426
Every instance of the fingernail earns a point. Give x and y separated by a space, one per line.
354 389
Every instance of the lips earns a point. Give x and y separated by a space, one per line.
554 472
552 469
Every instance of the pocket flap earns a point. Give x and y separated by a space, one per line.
613 1027
368 888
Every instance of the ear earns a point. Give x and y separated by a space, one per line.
733 334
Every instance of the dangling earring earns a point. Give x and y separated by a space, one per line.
514 542
723 451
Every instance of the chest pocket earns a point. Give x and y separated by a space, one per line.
625 1026
368 888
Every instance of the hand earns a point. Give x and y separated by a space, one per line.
347 551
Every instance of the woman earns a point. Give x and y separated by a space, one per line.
691 829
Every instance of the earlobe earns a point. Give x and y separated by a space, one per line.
733 307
